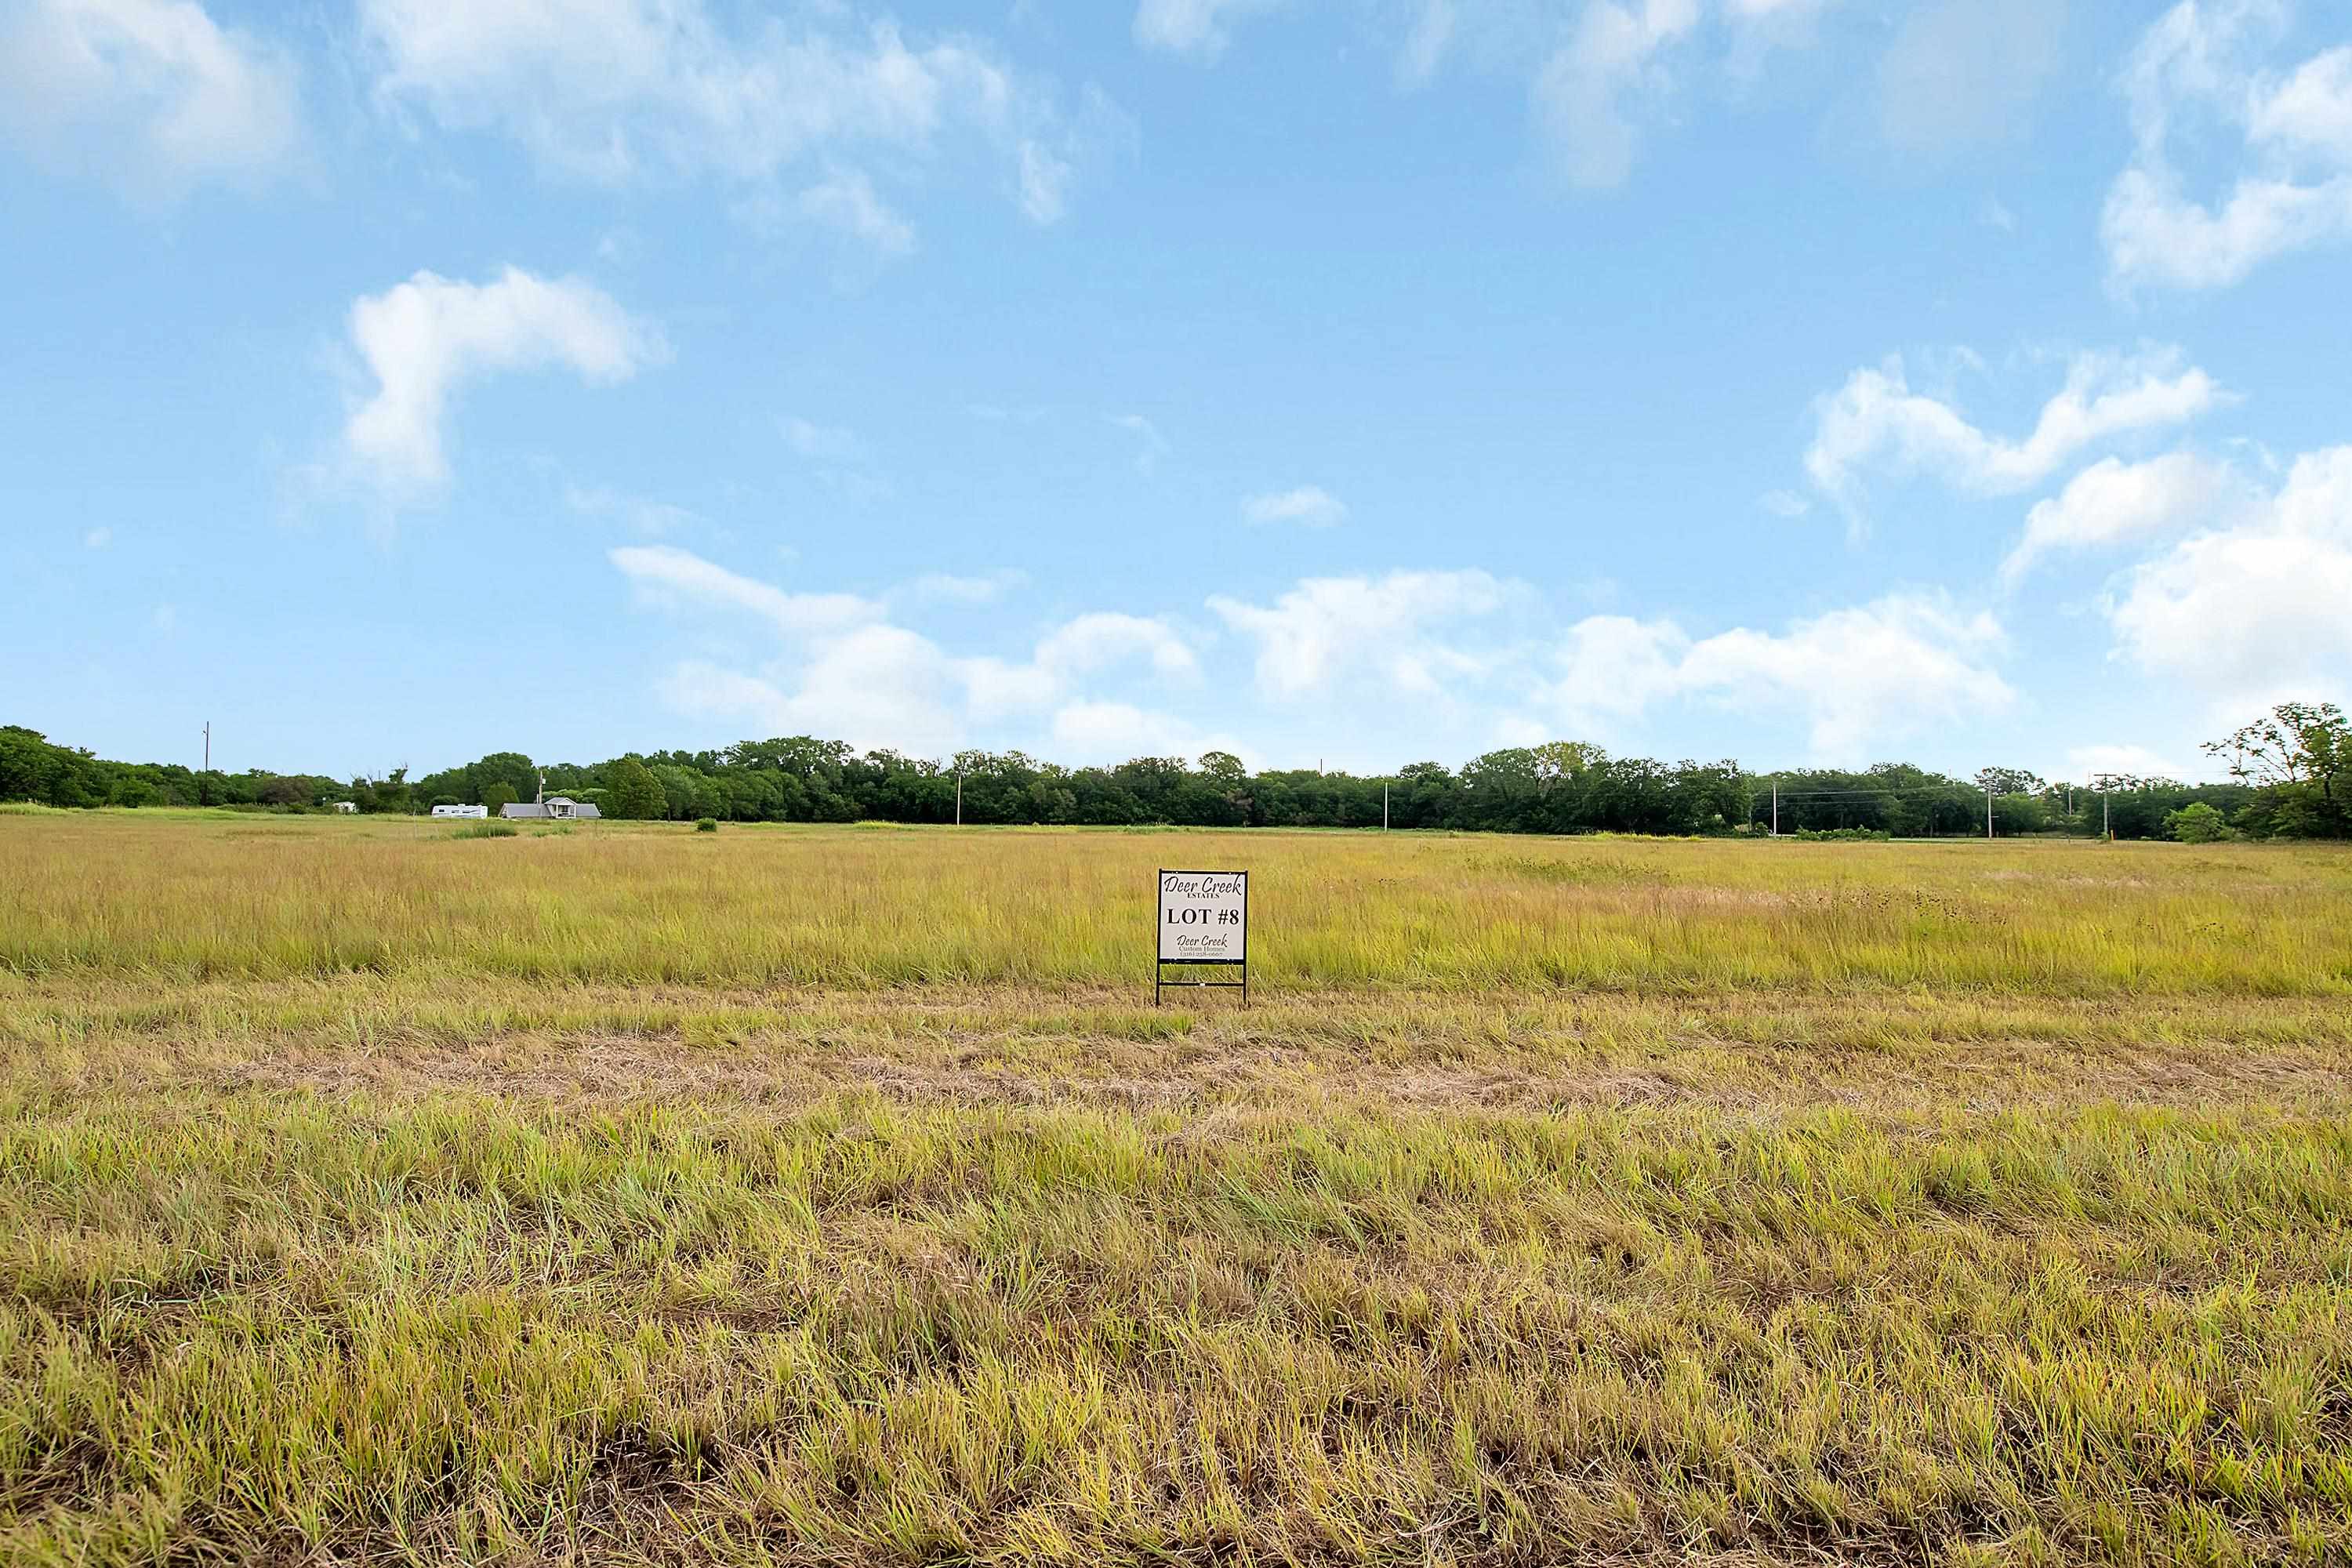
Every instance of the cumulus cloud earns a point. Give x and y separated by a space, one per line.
424 339
1858 677
2196 77
842 668
615 91
151 96
1330 629
1876 422
1103 638
1101 733
2089 763
2252 608
2112 501
1311 506
1097 686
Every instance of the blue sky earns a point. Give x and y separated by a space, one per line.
1963 381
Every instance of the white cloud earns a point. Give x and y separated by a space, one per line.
1328 630
1613 668
1310 505
1150 445
151 96
621 90
1877 421
665 572
1103 638
2112 500
822 443
1785 503
1103 733
1426 44
1580 96
872 686
423 339
843 669
846 201
2194 78
646 516
2086 764
1860 676
1960 72
98 538
948 587
1195 28
1857 678
2251 611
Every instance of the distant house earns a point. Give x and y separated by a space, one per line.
560 807
345 805
461 811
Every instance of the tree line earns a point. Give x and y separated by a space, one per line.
2289 775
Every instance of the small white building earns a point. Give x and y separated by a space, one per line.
345 805
560 807
461 811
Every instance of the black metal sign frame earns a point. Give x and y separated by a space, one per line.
1159 966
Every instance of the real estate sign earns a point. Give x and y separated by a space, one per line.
1203 917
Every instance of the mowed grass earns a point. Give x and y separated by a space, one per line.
837 1195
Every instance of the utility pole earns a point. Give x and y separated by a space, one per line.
1988 814
959 804
208 745
1775 808
1384 808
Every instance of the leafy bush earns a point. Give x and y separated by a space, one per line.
486 830
706 824
2198 823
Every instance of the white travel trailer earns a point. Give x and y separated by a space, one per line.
461 811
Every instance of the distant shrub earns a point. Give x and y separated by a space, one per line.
2198 823
706 824
486 830
1839 835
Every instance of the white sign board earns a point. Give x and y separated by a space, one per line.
1203 917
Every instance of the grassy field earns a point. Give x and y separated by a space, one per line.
837 1195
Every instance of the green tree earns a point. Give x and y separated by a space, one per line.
2010 781
511 768
497 797
2300 757
633 793
2197 823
